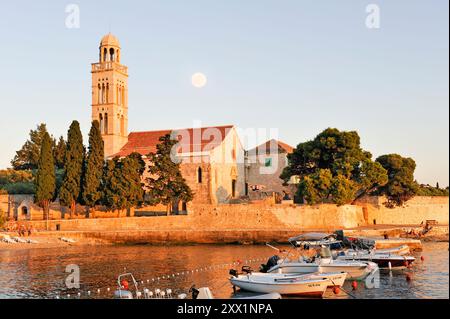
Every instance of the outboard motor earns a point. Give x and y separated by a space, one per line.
233 272
273 261
194 292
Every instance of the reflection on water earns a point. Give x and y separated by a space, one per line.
40 273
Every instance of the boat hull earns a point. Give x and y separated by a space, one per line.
293 287
354 272
384 261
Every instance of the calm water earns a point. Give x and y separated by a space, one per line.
40 273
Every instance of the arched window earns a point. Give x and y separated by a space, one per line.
123 96
106 123
105 53
103 93
107 92
122 126
199 175
119 92
99 97
111 53
100 120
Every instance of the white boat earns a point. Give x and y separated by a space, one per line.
383 260
316 240
400 250
335 279
356 270
284 285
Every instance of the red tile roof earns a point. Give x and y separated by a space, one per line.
271 147
191 140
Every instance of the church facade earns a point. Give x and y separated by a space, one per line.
213 160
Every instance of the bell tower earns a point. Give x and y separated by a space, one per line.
110 95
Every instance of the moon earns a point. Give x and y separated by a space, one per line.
199 80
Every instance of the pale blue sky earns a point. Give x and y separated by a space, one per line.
299 66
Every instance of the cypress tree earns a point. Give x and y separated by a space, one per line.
59 152
73 165
45 176
166 185
94 168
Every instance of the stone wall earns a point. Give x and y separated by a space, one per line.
413 212
263 216
226 217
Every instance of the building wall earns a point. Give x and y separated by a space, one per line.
269 177
227 164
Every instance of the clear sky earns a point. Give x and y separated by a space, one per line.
299 66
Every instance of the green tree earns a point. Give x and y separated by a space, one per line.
59 152
28 156
315 188
341 155
93 172
122 185
165 184
45 177
401 185
343 190
70 190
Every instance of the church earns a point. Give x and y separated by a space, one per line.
213 160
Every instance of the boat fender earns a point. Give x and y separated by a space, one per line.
354 285
422 258
336 290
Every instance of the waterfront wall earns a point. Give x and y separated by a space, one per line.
260 216
415 211
264 216
237 217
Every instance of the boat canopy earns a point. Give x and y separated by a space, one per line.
312 237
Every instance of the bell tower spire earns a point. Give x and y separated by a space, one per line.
110 95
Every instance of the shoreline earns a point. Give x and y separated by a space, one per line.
51 239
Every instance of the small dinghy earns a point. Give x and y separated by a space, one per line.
306 286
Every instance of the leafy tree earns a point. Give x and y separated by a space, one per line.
28 156
45 177
314 188
59 152
340 154
401 185
122 182
70 190
427 190
343 190
94 167
165 184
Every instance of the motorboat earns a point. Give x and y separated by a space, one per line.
400 250
306 286
383 260
324 263
313 239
